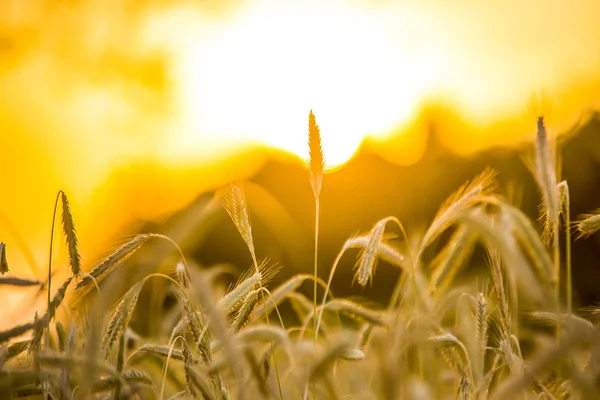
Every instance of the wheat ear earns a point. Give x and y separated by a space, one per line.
128 378
234 202
55 302
121 317
114 260
588 224
465 197
382 250
3 259
316 159
242 316
454 255
574 322
550 206
368 257
17 331
13 281
161 351
495 264
217 322
514 219
448 339
183 275
355 310
482 334
234 299
546 179
14 350
68 225
565 198
316 166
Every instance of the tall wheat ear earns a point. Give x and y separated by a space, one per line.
316 158
316 167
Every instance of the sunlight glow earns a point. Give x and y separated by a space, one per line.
250 75
256 76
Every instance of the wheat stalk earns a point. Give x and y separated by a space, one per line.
316 166
235 204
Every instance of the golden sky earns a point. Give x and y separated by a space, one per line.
99 89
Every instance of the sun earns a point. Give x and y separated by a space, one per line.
255 76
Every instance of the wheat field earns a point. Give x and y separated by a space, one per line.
510 333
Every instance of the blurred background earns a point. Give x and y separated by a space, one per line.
140 110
